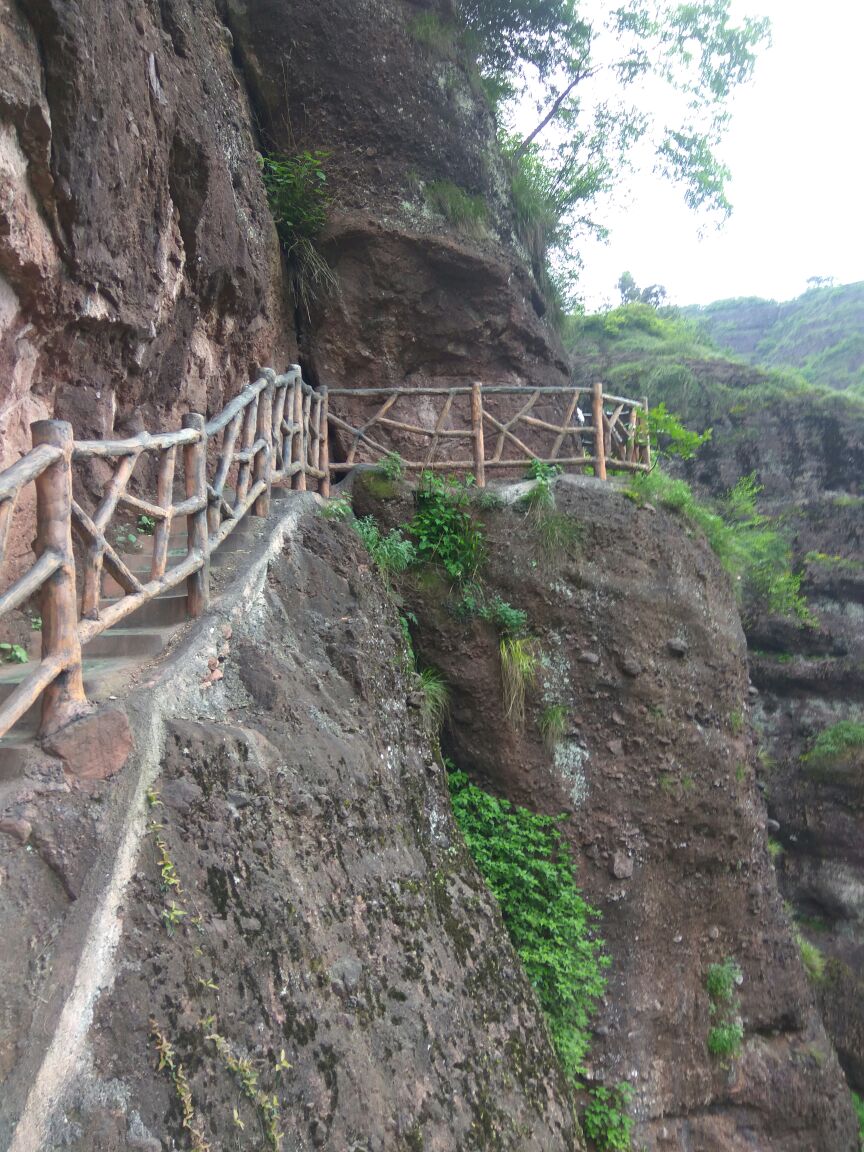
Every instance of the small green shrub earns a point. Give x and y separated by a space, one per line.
605 1120
722 981
489 501
146 525
836 745
557 535
775 849
669 437
13 653
337 509
553 724
812 957
392 467
508 620
518 672
736 722
436 697
724 1040
529 870
391 553
444 528
466 212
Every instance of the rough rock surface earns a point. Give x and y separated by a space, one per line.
333 930
641 643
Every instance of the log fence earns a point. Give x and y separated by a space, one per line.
615 426
277 432
274 433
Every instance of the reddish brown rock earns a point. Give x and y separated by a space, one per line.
93 747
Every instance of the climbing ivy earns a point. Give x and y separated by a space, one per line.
528 868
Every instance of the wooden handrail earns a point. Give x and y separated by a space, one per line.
250 439
618 431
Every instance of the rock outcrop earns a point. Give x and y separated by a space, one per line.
640 641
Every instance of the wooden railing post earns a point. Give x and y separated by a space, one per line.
195 476
264 459
477 430
646 450
324 465
64 697
599 431
298 449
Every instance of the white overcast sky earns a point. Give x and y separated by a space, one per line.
796 151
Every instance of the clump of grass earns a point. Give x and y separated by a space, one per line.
553 724
721 982
519 666
557 535
775 849
858 1105
436 697
432 32
812 957
836 745
466 212
724 1037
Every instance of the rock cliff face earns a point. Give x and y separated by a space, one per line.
641 643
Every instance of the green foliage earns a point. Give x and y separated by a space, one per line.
553 724
508 620
528 867
436 697
392 467
466 212
754 553
775 849
605 1120
146 525
670 437
519 666
299 200
337 509
392 553
557 535
440 36
445 529
836 745
858 1105
812 957
722 981
13 653
724 1040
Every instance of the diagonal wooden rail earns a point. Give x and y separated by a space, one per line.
274 433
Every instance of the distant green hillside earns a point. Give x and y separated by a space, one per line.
821 333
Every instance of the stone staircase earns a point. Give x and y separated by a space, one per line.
112 659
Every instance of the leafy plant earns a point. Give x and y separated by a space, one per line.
146 525
519 666
858 1105
553 724
392 467
775 849
605 1120
392 553
812 957
35 623
444 528
436 697
670 437
528 868
724 1040
722 981
13 653
337 509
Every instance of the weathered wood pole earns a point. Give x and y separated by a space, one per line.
477 429
164 498
64 697
599 431
324 483
632 434
264 458
298 449
646 451
195 476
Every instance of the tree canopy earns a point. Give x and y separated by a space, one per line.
604 84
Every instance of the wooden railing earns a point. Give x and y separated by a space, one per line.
273 433
615 427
